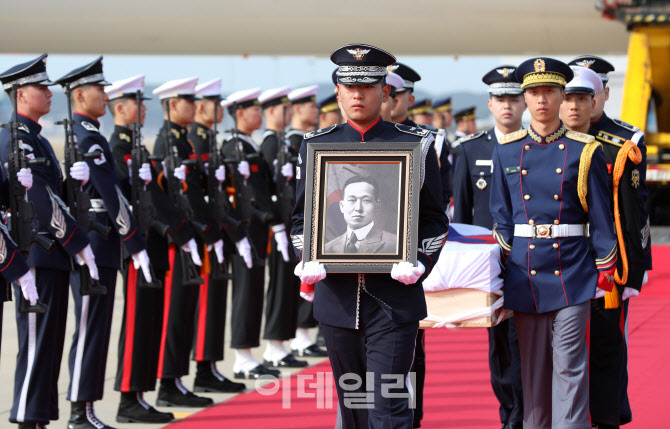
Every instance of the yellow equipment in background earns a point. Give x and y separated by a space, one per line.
646 99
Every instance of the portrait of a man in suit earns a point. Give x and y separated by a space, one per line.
360 206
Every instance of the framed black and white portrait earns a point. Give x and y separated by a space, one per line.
361 208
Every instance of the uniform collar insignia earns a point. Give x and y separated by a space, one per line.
548 139
124 136
89 126
24 128
201 132
175 132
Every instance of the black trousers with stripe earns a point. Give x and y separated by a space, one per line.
606 358
281 307
140 337
179 307
210 317
41 338
90 342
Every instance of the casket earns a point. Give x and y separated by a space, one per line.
464 308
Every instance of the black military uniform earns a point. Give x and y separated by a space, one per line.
141 326
93 314
306 318
41 336
281 308
472 188
249 284
210 323
366 316
608 361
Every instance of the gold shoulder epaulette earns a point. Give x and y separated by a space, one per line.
580 137
512 137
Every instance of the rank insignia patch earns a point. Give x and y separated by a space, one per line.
635 179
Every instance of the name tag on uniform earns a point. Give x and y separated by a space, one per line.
483 162
512 170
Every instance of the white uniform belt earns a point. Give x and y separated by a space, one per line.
98 205
551 231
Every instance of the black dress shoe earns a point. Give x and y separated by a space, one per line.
257 372
209 379
288 361
134 409
311 351
172 393
83 416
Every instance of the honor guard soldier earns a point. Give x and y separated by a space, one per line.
281 309
182 289
395 82
442 117
41 336
405 95
329 112
13 265
88 353
627 167
553 223
422 112
212 305
303 118
472 189
140 337
252 180
368 317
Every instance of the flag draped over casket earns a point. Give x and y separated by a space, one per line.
465 287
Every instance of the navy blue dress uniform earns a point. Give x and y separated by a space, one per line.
472 189
365 318
281 308
249 284
93 314
608 357
546 189
41 336
210 323
181 300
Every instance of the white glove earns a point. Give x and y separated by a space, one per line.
407 273
192 248
80 171
243 169
287 170
282 240
599 293
629 292
87 257
141 260
244 249
218 249
145 173
220 173
27 282
307 296
180 173
312 272
25 177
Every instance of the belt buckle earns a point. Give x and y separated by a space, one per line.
543 231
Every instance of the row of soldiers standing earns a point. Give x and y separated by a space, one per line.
178 224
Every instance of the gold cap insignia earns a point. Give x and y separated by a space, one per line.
539 65
358 53
392 68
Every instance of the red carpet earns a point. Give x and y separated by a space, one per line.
458 391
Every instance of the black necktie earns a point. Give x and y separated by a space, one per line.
351 245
